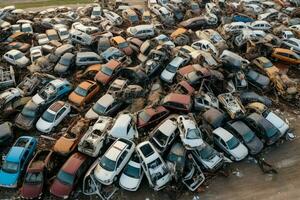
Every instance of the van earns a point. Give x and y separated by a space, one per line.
87 58
80 37
141 31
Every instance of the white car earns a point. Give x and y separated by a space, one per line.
208 157
295 27
162 39
85 29
96 12
16 57
170 71
205 45
235 27
35 53
132 174
113 161
164 134
53 116
190 133
292 43
93 140
229 144
153 165
253 8
16 28
8 95
274 119
141 31
287 35
113 17
26 28
42 39
260 25
124 127
63 33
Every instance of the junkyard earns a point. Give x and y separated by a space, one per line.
155 99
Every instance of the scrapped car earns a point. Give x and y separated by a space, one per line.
6 134
286 55
164 134
232 105
107 71
266 66
233 61
208 158
69 175
264 129
178 102
42 39
21 46
16 57
132 174
87 58
260 25
53 116
16 161
200 22
141 31
153 165
151 116
280 124
35 53
113 17
122 44
169 72
65 63
124 126
214 117
205 101
246 135
234 27
113 161
229 144
71 137
258 80
54 90
84 93
190 133
176 160
9 95
93 140
205 45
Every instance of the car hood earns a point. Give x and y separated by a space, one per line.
213 162
60 68
192 143
8 180
76 99
255 146
91 114
129 182
103 175
59 189
102 78
63 145
37 99
240 152
31 191
42 125
167 76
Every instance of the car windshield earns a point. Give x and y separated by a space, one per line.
97 12
133 30
53 37
48 117
10 167
249 136
65 177
132 172
133 18
18 56
267 64
207 153
232 143
26 29
144 116
29 112
64 33
80 91
271 131
160 137
171 68
107 164
65 61
193 134
98 108
34 178
216 38
123 45
107 71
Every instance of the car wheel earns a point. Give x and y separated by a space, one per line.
232 158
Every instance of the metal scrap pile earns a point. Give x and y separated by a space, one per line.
172 92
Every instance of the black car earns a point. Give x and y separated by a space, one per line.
246 135
263 128
257 80
250 97
197 23
6 134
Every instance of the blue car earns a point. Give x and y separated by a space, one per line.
54 90
16 161
242 18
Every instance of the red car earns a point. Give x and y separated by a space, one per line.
69 175
107 71
178 102
151 115
37 173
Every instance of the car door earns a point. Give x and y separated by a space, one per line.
121 162
60 115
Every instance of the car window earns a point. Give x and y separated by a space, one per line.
222 142
60 112
122 157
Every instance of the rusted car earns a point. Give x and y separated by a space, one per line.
178 102
151 116
107 71
71 137
23 47
122 44
232 105
286 55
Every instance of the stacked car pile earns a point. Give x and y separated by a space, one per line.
169 91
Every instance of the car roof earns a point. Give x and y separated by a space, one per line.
106 100
13 52
168 127
57 82
224 134
15 154
180 98
119 39
116 149
56 106
73 163
86 84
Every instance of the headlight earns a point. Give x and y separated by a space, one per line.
65 197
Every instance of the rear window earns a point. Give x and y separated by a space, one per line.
147 150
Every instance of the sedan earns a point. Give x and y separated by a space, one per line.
16 57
